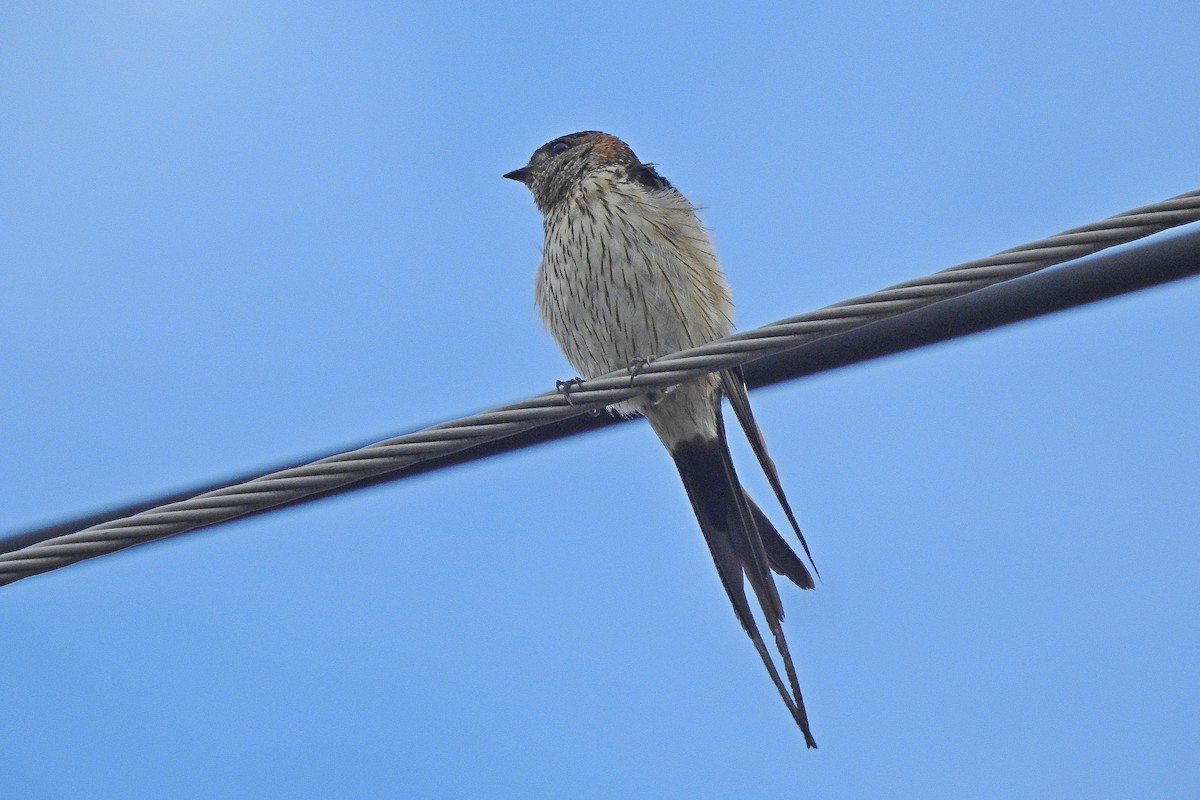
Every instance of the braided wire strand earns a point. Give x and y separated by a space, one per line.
325 474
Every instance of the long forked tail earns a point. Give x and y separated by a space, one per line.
743 542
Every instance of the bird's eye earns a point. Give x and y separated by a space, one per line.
558 148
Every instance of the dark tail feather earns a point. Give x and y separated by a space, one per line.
783 559
735 391
737 531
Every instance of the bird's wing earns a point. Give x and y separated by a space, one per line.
735 389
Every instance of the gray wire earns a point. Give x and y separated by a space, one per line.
321 476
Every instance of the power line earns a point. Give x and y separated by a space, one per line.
847 332
1083 281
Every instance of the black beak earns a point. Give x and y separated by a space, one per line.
519 175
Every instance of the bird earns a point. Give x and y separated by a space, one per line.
628 273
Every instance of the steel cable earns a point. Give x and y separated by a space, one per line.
291 485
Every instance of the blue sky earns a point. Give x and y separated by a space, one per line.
237 233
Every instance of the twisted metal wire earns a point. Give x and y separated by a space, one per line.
323 475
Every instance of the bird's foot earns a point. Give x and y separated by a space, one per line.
566 387
636 365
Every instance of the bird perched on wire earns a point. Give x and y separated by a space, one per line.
627 274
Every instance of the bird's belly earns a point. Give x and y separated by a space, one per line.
608 313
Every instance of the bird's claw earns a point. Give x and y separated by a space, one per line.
636 365
566 387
